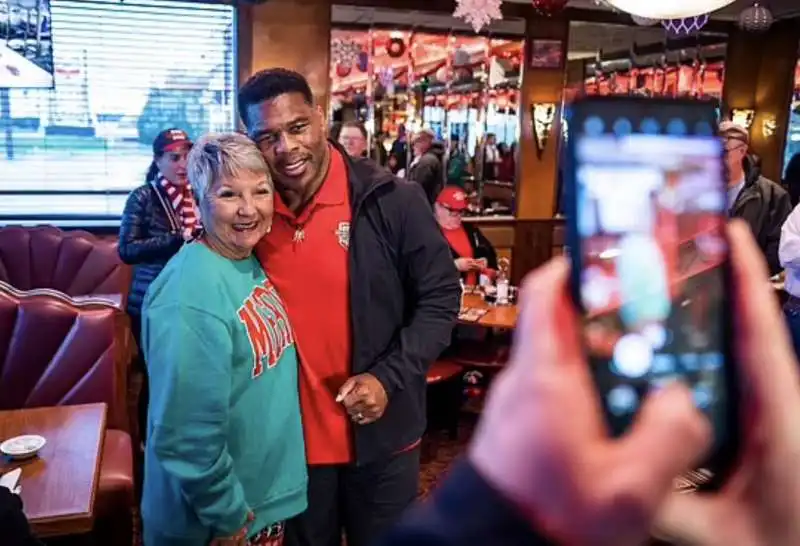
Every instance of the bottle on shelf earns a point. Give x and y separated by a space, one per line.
503 282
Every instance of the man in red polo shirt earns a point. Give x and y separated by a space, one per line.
372 295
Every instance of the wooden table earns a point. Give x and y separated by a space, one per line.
498 316
58 486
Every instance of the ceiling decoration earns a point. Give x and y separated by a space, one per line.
756 18
478 13
669 9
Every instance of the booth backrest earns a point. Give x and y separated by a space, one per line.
76 263
56 351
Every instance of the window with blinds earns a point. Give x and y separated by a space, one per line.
124 71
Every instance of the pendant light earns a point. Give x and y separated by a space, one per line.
669 9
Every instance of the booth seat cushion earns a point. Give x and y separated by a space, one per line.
73 262
116 472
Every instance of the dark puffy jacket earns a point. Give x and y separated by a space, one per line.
428 172
764 205
149 235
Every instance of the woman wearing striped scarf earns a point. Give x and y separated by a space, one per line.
159 217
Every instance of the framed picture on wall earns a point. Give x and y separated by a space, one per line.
548 54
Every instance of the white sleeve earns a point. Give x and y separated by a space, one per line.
789 249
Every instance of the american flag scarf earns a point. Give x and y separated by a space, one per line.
182 201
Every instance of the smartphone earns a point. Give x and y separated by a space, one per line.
646 202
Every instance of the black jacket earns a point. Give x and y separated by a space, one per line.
428 172
149 235
481 247
764 205
14 527
464 511
404 300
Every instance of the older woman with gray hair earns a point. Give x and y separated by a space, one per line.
224 459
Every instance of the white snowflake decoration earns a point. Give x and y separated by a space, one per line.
478 13
345 52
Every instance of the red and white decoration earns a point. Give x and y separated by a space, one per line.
478 13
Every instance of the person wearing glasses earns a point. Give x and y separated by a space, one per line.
761 203
353 138
472 252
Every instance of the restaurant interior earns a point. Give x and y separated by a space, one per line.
66 350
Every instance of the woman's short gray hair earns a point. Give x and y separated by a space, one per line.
215 157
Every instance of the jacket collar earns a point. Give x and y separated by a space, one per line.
363 177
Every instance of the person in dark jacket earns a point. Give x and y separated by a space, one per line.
472 252
791 179
760 202
373 297
542 469
159 217
427 168
14 527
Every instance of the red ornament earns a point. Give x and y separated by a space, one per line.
549 7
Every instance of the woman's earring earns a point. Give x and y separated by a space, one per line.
269 228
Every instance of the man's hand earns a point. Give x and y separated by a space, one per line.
543 444
761 501
364 398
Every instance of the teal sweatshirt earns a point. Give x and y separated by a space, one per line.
224 436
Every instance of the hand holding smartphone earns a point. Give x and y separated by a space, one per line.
647 207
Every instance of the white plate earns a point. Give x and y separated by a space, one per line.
22 447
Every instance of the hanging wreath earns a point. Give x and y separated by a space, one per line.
396 48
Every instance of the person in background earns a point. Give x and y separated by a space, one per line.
335 130
761 203
353 138
791 179
491 158
399 147
394 166
427 168
506 168
457 164
472 252
224 461
373 297
159 217
380 154
552 475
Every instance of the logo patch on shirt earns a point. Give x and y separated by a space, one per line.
264 317
343 234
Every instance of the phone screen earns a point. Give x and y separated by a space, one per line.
650 253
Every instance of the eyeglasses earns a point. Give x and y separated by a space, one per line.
729 149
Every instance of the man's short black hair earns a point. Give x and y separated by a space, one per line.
355 125
268 84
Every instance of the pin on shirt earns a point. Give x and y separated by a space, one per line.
299 235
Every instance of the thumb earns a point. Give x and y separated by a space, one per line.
348 387
685 519
668 437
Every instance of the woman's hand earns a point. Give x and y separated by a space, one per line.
761 501
239 539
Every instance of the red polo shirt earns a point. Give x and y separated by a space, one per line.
306 258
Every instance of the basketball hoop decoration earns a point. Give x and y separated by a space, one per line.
756 18
478 13
548 8
686 26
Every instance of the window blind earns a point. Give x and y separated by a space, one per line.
124 71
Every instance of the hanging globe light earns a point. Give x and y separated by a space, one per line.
669 9
644 21
756 18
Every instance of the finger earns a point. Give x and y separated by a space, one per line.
547 325
767 364
360 394
668 437
686 519
346 389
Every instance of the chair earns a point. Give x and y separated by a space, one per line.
57 351
76 263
